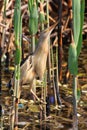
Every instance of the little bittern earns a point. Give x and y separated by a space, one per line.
34 66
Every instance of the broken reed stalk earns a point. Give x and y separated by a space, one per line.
60 49
18 36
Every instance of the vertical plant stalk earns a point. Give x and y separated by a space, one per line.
60 50
70 26
47 74
44 87
33 43
18 37
0 71
73 67
56 80
55 96
45 92
75 118
0 88
41 21
33 49
33 26
0 85
48 59
74 51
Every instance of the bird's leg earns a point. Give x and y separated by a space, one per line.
37 97
34 94
41 101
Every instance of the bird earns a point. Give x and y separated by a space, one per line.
34 65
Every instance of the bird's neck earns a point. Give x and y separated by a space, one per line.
43 48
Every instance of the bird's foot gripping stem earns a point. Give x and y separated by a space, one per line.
38 99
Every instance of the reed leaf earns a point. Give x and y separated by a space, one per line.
30 4
72 59
81 26
41 17
33 19
76 20
18 33
17 14
17 56
74 50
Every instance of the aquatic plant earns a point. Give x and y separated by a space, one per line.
74 51
18 36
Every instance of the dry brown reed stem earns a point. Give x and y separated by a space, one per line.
60 51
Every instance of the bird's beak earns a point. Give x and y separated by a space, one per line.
50 29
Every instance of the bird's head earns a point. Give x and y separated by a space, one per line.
47 32
43 40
